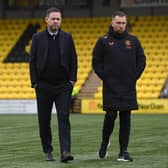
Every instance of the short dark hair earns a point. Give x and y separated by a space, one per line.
52 9
118 13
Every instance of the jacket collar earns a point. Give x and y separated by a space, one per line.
115 34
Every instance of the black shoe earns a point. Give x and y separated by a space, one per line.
66 156
49 157
125 157
103 150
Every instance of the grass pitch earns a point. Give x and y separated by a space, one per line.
20 145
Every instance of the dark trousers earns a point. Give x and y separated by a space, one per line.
61 96
124 132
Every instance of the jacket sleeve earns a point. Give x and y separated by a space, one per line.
73 73
98 59
140 59
32 63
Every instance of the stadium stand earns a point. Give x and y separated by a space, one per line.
151 30
13 76
15 82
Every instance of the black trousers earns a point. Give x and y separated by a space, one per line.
61 96
124 131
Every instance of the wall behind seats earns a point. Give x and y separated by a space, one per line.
97 10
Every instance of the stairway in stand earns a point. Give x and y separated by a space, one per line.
87 90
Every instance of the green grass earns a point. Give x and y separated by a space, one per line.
20 145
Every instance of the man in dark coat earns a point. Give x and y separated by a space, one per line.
53 72
118 60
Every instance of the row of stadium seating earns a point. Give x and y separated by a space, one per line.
14 77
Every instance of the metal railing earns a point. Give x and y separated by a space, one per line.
143 3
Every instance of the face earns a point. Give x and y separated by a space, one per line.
53 21
119 24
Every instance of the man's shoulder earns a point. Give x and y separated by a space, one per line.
39 34
131 36
103 37
62 32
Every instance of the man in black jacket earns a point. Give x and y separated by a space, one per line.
118 60
53 72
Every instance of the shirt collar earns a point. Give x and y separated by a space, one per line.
51 33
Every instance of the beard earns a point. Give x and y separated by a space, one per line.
53 28
120 31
